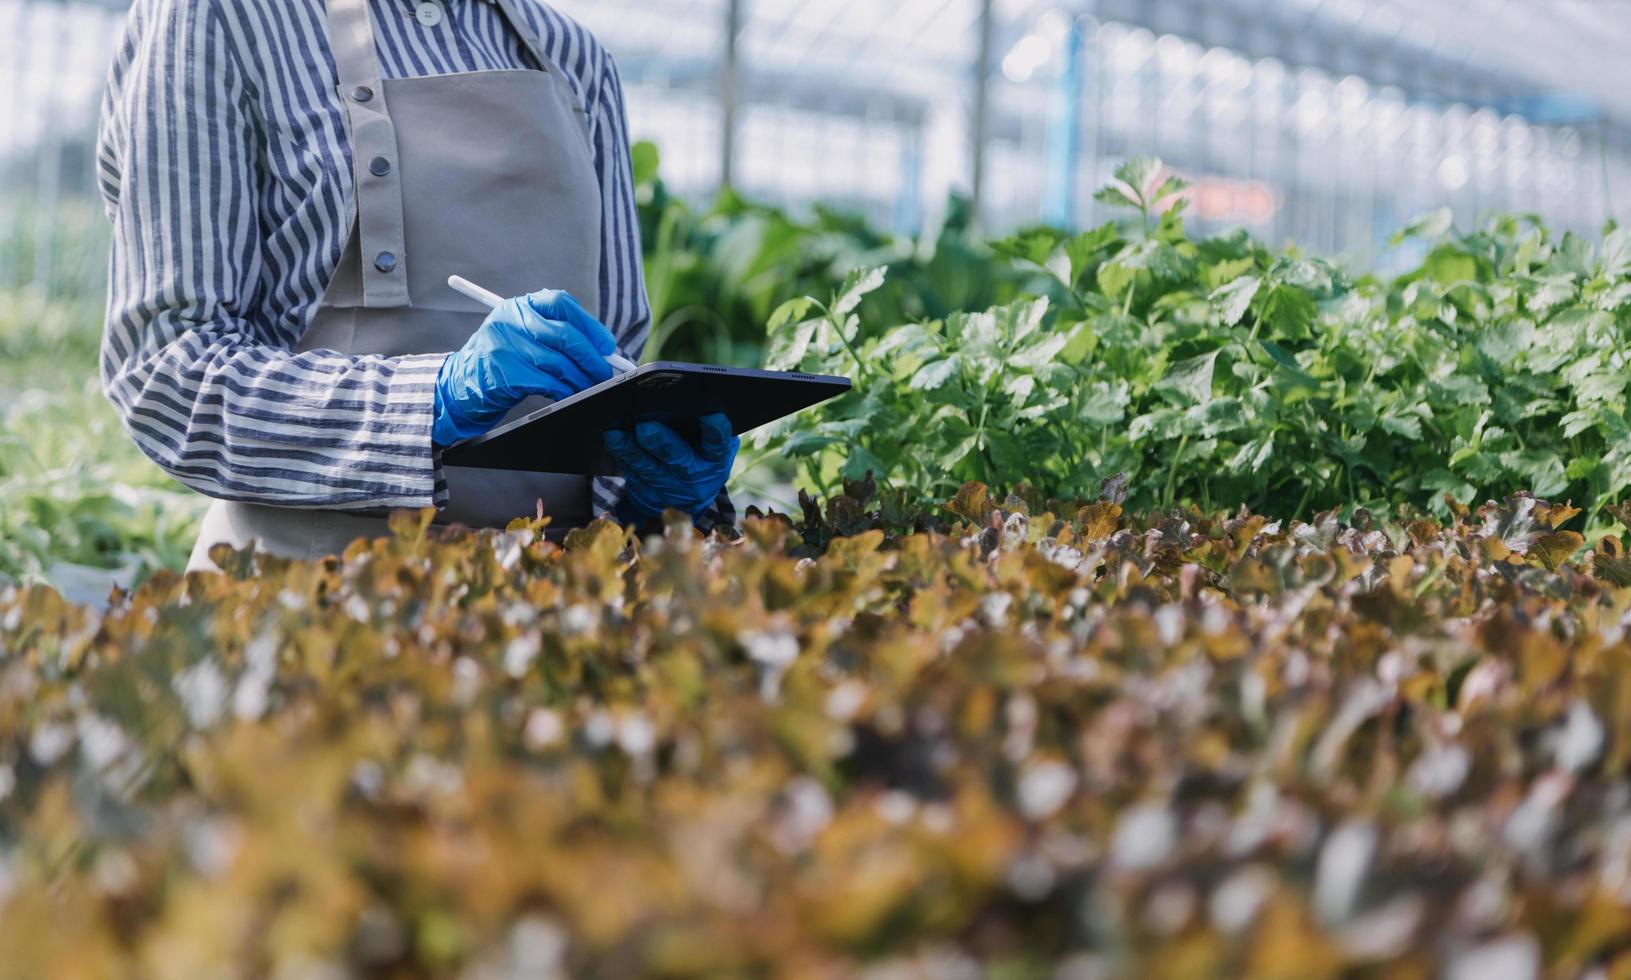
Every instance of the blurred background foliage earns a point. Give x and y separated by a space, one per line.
79 504
715 274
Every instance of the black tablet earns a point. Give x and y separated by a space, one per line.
566 436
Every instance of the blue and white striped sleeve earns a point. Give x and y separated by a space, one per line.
627 306
622 278
626 309
202 375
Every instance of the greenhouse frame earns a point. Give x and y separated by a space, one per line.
1329 123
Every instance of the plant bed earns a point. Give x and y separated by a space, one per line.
1027 738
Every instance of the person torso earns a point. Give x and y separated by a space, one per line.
489 172
303 201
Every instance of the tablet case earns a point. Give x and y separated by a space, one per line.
566 436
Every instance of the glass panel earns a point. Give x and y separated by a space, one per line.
1327 121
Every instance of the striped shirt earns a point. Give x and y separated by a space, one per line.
226 170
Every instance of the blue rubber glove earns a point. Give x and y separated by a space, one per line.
542 344
663 472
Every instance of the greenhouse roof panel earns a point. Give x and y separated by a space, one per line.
918 47
1573 46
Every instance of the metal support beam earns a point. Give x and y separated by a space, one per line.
908 211
730 92
980 131
1064 136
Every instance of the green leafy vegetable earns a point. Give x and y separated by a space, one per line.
1217 372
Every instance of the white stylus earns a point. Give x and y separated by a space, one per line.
493 301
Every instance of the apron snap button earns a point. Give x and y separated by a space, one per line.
379 167
429 13
362 93
386 262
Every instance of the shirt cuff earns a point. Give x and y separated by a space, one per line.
415 375
721 514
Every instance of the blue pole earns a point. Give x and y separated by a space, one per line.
908 216
1063 145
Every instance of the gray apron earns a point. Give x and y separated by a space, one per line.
489 175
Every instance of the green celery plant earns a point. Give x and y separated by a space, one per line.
1218 372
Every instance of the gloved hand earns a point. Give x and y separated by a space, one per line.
663 472
542 344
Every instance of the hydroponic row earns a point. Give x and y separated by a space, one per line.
1222 373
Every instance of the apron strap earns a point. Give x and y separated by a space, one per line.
535 44
375 165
